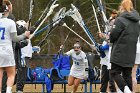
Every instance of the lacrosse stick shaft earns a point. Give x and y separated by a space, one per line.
65 25
46 27
64 42
96 18
48 33
31 11
66 38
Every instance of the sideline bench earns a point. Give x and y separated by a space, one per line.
64 73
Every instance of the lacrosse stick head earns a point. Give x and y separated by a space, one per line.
59 16
74 8
75 14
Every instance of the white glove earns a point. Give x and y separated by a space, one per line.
36 49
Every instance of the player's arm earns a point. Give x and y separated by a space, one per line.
17 38
13 33
69 53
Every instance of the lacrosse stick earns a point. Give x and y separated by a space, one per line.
103 15
77 17
48 14
65 25
96 18
56 20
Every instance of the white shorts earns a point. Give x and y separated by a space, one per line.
6 61
6 57
137 59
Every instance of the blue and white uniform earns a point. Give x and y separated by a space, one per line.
106 60
7 26
80 62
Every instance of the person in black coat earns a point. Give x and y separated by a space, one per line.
124 37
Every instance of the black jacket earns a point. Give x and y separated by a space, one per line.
124 35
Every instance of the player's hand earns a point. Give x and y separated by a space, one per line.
93 47
100 34
27 34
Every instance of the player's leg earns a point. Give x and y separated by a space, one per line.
76 84
104 79
71 80
4 80
134 81
1 75
11 77
112 86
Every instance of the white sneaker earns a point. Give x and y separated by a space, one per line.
8 91
19 91
119 91
127 90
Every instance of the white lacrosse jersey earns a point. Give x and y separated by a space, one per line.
7 26
79 64
27 50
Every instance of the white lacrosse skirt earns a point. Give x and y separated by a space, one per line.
137 59
77 72
6 57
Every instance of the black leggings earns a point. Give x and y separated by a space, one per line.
105 78
21 76
122 76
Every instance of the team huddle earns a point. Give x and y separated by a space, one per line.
119 51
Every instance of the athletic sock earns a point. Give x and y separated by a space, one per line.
9 90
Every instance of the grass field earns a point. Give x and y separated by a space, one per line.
30 88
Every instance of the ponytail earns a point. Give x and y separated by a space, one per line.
126 5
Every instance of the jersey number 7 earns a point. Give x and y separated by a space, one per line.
2 31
